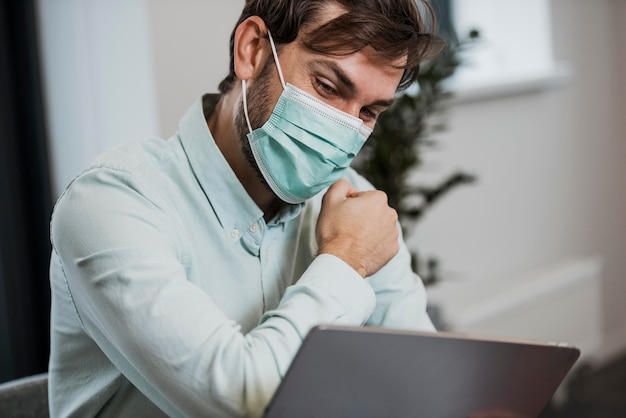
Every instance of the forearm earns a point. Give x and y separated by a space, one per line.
170 340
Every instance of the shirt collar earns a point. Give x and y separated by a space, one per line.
232 205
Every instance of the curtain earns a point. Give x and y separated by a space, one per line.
25 198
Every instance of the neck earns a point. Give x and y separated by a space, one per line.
222 126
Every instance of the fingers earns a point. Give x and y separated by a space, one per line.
358 227
339 191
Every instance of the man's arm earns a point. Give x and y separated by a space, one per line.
122 263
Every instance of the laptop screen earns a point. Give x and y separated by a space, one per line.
373 372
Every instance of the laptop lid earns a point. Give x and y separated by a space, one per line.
373 372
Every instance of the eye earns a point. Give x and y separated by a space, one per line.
325 88
368 114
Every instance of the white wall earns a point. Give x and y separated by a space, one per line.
191 53
98 79
550 166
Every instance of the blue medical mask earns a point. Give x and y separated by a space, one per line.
306 145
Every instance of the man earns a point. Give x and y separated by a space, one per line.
185 273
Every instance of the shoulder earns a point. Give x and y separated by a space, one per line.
123 179
139 155
128 165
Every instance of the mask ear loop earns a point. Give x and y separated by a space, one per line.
245 104
243 82
280 71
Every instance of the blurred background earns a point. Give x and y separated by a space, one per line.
535 248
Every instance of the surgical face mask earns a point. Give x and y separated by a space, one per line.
306 145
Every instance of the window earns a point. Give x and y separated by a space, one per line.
513 52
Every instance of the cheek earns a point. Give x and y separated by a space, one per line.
241 127
260 104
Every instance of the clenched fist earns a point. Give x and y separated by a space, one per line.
358 227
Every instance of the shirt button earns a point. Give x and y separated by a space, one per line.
254 228
234 233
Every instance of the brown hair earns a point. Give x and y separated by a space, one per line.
394 28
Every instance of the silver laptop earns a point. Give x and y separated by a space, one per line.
366 372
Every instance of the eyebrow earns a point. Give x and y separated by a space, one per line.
349 84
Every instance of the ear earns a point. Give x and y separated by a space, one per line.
250 48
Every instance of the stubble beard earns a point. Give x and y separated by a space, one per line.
258 99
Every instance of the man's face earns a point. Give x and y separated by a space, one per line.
362 84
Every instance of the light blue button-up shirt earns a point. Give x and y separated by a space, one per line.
172 295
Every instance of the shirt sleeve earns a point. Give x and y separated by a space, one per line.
400 293
122 263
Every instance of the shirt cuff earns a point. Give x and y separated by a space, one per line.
344 285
